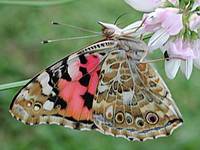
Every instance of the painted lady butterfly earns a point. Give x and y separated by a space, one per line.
104 87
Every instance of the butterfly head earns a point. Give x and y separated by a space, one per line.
110 30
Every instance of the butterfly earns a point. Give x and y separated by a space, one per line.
105 87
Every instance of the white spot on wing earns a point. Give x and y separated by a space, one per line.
72 57
102 88
172 109
127 97
56 66
48 105
20 111
109 112
24 94
73 68
43 119
44 78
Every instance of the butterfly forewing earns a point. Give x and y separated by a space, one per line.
63 93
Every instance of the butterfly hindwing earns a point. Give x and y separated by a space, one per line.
132 101
63 93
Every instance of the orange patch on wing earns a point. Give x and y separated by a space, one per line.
142 66
72 91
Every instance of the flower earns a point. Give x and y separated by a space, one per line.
144 5
149 5
196 49
194 22
165 22
174 2
175 30
196 4
181 54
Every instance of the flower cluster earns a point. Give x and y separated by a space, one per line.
174 28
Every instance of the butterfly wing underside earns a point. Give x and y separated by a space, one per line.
63 93
102 87
132 100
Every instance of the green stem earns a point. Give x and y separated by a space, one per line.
35 3
13 85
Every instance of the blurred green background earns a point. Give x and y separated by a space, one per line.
22 56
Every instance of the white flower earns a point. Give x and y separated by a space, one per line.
194 22
150 5
165 22
196 49
144 5
175 30
182 54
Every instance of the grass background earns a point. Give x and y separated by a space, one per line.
22 56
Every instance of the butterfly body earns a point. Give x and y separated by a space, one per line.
105 87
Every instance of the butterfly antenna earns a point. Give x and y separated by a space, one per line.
143 21
71 38
75 27
119 17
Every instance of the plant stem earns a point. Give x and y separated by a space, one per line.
35 3
13 85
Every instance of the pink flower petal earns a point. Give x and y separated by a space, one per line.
187 50
166 18
152 22
194 22
181 49
173 23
